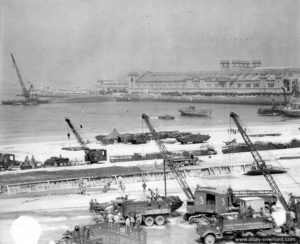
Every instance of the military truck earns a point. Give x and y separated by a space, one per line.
7 161
56 162
211 201
152 211
223 226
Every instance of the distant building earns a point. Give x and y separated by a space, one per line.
112 86
243 77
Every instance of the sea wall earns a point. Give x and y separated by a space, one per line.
254 100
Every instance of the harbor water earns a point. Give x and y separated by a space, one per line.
45 122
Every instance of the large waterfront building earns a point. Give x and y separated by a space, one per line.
112 86
235 77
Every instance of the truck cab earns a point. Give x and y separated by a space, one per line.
7 161
208 200
96 155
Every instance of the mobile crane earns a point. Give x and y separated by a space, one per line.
205 201
29 94
91 155
291 209
169 160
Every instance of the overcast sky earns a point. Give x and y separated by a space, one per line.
76 42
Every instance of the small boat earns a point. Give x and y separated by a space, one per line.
272 111
272 170
292 110
192 111
166 117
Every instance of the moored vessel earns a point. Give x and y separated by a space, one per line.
272 170
193 111
166 117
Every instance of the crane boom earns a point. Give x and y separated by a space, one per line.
168 157
260 162
78 137
25 91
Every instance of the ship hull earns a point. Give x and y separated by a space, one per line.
291 113
195 114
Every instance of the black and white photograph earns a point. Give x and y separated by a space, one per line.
149 121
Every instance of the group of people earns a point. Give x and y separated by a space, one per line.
246 212
30 162
154 196
107 186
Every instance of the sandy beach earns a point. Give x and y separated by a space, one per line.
56 213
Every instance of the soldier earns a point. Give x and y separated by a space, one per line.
144 186
156 194
249 212
33 161
138 220
262 212
26 161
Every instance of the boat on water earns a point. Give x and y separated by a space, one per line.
272 170
193 111
270 111
292 110
166 117
24 102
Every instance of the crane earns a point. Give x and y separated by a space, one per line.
79 138
26 93
260 162
91 155
168 158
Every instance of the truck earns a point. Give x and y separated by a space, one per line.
223 226
7 161
152 211
209 201
56 162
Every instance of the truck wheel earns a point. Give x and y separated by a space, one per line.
182 164
209 239
160 220
149 221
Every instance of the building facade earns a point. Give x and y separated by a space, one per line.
112 86
243 77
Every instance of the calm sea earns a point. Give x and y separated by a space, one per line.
46 122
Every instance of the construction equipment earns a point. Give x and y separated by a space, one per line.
206 201
30 95
169 160
291 209
26 93
91 155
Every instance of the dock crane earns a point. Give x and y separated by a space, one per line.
26 93
91 155
169 160
264 169
205 201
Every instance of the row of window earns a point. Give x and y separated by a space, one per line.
239 85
